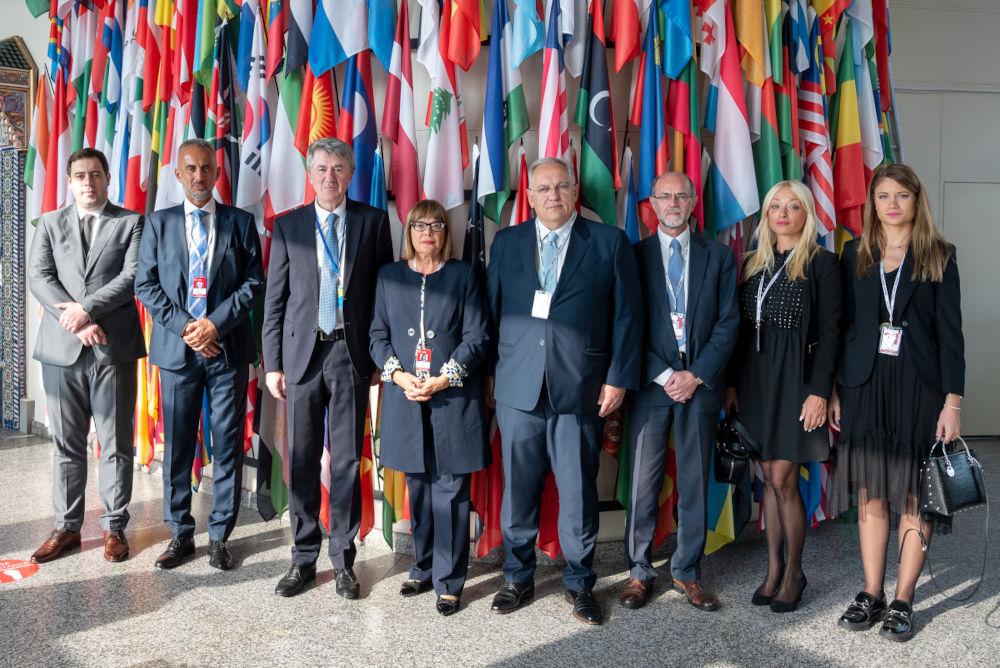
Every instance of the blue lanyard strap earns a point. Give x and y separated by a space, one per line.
326 247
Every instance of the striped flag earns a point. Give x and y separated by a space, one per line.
357 125
339 31
300 24
648 114
284 152
813 124
862 29
849 180
553 122
277 27
38 148
397 119
255 147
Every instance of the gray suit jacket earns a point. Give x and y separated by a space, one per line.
103 284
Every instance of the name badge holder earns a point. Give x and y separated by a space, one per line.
890 337
540 307
199 287
676 317
761 295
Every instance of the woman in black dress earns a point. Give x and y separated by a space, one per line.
900 381
429 335
781 374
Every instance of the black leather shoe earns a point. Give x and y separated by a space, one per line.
512 596
176 551
414 587
447 606
863 613
585 607
295 579
347 583
219 555
898 623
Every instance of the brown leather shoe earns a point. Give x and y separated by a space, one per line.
635 593
115 545
696 594
58 542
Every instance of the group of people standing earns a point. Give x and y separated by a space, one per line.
569 321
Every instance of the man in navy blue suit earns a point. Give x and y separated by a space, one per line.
564 293
199 275
689 288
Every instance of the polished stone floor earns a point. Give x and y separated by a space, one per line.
81 610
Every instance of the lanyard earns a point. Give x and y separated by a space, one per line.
890 302
680 283
762 293
560 242
329 254
423 289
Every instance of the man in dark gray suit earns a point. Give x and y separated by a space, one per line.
81 270
689 288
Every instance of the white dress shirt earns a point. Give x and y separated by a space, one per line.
209 219
562 242
340 226
685 241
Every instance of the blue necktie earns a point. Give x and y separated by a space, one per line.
675 273
328 278
197 258
547 274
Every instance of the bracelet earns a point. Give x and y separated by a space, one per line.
957 408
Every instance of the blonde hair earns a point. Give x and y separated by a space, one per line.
762 257
427 209
931 251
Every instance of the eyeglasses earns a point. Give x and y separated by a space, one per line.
681 198
545 191
421 225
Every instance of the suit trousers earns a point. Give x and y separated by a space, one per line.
182 395
73 393
331 392
533 442
648 440
439 522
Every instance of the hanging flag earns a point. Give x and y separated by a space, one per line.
255 147
553 123
572 19
521 212
339 31
505 117
397 119
625 30
365 475
357 125
381 28
799 27
378 197
883 48
677 44
56 194
222 127
474 247
277 27
528 31
787 106
317 114
813 121
682 103
82 27
748 19
862 29
38 149
300 24
849 180
594 114
628 201
829 12
284 152
244 48
654 151
486 491
463 37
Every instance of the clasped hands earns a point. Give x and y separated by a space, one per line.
77 321
419 389
681 386
202 337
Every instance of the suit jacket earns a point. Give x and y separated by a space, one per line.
711 321
455 313
930 315
589 338
819 331
103 284
289 331
235 281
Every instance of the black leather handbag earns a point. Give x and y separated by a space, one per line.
950 482
734 447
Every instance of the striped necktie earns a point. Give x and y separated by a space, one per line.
197 260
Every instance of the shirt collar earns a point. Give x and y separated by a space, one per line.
322 213
97 212
190 207
541 231
684 238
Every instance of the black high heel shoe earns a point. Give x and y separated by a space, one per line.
447 606
765 599
791 606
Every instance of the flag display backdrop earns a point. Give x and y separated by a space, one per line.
737 94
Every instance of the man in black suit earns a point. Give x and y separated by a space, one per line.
81 270
325 257
565 299
689 288
199 275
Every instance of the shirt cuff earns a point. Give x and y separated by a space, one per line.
454 372
391 366
664 376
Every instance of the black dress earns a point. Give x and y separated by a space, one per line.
770 387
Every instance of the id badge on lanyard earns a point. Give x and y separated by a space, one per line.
540 307
890 337
199 286
677 322
422 361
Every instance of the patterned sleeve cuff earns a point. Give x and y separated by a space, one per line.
391 366
454 372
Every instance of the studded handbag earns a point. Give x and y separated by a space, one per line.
951 482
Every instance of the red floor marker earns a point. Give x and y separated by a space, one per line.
13 570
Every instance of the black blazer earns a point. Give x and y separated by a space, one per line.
819 331
291 302
929 313
455 313
711 323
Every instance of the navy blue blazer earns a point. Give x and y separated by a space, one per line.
291 304
235 281
591 335
711 322
929 313
455 312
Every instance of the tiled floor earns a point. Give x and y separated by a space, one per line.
81 610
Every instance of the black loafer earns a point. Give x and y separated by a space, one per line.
447 606
347 583
512 596
176 551
585 607
863 613
296 579
219 555
898 623
414 587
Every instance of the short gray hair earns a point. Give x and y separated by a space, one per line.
334 148
549 161
197 143
690 182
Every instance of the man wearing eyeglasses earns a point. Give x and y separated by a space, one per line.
564 293
689 288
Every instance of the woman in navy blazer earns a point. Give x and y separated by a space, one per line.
429 334
901 379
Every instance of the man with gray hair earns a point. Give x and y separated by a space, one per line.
325 257
564 292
